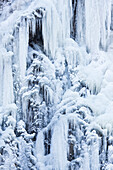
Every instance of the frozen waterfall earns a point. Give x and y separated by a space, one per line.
56 84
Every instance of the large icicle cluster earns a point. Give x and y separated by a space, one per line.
56 92
90 21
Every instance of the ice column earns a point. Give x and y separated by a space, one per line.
23 44
40 150
16 45
105 21
1 78
80 22
86 163
7 80
93 148
59 145
92 25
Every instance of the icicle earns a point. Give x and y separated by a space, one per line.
102 23
1 78
110 154
80 22
40 151
86 162
8 96
93 148
105 21
16 45
51 96
108 21
24 109
48 33
92 25
108 16
33 26
47 95
59 145
39 23
40 146
23 45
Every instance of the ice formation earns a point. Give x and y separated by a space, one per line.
56 84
